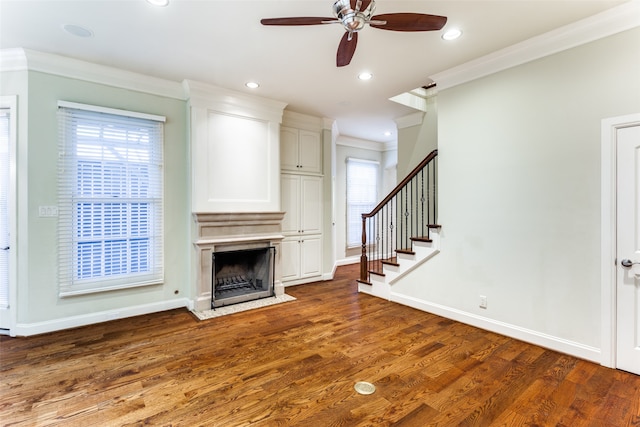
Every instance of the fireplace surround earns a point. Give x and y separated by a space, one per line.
215 233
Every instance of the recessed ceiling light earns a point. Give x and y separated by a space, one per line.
77 30
365 76
387 133
252 85
452 34
161 3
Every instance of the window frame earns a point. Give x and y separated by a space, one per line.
73 196
351 244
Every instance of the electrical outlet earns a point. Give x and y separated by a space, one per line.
483 301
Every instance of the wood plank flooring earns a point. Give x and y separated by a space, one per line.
295 364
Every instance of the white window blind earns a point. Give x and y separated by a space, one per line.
110 199
362 196
4 208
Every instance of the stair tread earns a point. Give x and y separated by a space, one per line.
390 263
434 226
364 282
421 239
405 251
377 273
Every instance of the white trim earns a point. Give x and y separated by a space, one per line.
11 102
608 254
27 329
101 74
304 121
13 60
364 144
114 111
208 97
607 23
554 343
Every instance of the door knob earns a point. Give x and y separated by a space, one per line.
628 263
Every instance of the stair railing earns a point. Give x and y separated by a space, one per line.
405 215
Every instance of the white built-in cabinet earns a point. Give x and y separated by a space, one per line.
301 198
300 150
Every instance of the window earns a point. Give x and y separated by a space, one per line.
362 196
110 199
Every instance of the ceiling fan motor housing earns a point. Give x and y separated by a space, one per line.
352 19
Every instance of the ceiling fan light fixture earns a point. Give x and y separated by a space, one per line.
451 34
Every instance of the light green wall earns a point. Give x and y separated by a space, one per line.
519 189
38 300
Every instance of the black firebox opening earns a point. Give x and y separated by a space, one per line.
242 275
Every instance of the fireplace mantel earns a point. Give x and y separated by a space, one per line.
214 232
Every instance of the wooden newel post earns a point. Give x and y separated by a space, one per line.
363 257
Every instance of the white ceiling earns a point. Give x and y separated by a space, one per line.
222 42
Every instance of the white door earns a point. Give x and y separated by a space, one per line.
310 256
4 216
290 259
310 154
311 196
290 203
628 249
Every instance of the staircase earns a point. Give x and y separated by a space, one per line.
401 232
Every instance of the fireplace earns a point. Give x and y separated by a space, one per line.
242 275
237 239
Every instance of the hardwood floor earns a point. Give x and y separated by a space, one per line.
295 364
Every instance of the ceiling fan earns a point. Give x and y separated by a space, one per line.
354 15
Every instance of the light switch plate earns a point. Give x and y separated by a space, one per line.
47 211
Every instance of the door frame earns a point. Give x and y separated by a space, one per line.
11 102
608 193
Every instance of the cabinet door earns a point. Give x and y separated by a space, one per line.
289 149
311 204
309 151
290 203
290 259
310 256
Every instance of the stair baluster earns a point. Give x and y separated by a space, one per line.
381 239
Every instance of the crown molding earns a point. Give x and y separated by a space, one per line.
13 60
206 96
389 146
302 121
25 59
364 144
607 23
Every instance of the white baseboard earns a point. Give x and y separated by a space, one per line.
27 329
534 337
347 261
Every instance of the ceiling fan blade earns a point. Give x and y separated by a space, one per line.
346 49
300 20
409 22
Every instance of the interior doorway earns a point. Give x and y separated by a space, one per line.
7 202
620 241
